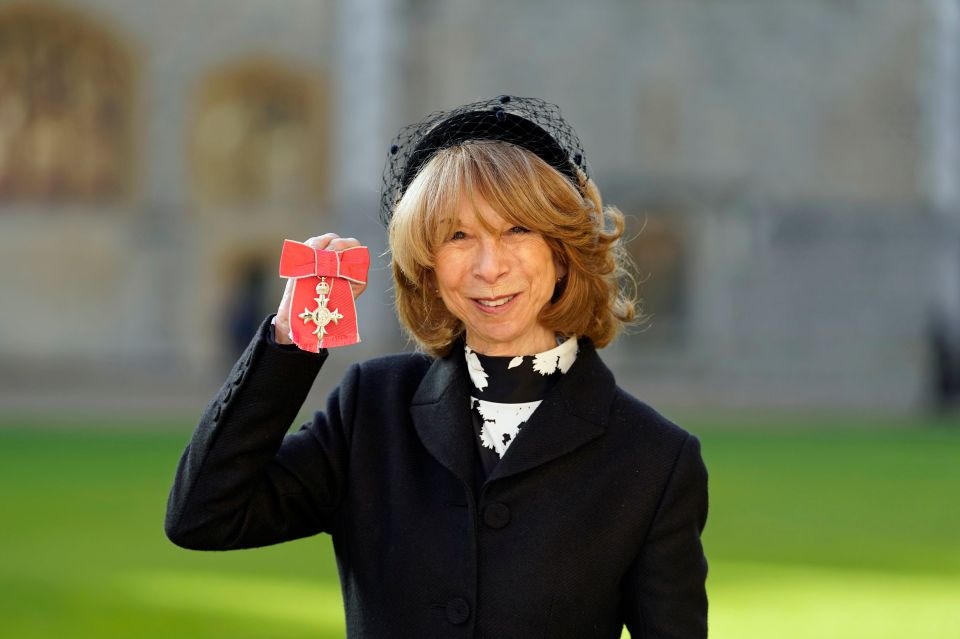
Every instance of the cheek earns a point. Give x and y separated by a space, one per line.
448 272
441 268
542 271
547 263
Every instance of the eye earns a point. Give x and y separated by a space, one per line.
519 230
458 235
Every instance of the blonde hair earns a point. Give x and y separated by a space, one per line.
590 301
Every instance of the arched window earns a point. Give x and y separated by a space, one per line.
260 136
66 93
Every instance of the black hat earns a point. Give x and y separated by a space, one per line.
529 123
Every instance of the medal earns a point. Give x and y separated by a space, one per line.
323 277
321 315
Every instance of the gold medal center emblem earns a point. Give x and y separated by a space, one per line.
321 315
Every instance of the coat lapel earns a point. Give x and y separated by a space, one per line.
441 415
572 414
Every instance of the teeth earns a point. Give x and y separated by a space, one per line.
495 303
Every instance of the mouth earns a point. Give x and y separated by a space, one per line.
494 304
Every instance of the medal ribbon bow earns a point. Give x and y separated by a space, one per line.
322 289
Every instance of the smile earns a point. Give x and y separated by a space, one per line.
494 302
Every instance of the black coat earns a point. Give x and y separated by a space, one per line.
592 520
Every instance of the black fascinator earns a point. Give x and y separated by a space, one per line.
530 123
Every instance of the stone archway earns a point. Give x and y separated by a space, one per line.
258 158
260 137
66 107
251 292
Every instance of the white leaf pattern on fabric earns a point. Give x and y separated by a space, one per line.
567 354
475 369
545 363
562 357
501 422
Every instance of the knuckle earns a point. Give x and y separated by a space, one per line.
324 239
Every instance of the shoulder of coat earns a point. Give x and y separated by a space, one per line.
635 414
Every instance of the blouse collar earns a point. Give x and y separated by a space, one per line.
522 378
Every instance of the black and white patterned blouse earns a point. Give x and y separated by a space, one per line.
506 391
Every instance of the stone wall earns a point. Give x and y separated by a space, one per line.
776 152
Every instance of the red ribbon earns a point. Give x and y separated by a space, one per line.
323 313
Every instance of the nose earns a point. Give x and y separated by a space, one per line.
491 261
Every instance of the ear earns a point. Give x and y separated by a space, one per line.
430 284
559 267
560 284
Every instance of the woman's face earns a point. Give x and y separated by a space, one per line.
497 282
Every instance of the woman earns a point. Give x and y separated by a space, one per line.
500 484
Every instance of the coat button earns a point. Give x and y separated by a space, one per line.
496 515
458 611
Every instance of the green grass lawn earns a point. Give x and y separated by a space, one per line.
813 533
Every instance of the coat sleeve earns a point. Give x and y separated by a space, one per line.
665 589
242 480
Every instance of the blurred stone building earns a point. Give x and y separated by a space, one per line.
789 170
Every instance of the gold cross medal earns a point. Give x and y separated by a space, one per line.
321 315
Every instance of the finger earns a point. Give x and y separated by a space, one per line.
283 308
321 242
282 321
343 243
287 291
357 289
